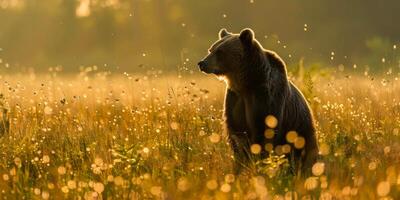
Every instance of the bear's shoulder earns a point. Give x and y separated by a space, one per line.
275 61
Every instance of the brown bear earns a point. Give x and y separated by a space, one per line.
261 105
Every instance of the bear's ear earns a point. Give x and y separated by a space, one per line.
223 32
246 36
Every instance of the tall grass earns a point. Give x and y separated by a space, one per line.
154 136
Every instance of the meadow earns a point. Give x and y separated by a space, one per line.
96 135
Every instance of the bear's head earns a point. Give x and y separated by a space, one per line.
230 53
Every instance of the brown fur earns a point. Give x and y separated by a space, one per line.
258 87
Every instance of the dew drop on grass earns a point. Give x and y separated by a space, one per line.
214 138
324 183
396 131
341 68
372 166
45 195
202 133
386 150
324 149
18 162
183 184
50 186
48 110
291 195
110 178
174 125
346 190
61 170
118 181
255 148
45 159
271 121
212 184
269 133
383 188
318 168
225 188
64 189
269 147
156 190
71 184
291 136
98 187
229 178
286 148
13 171
146 150
299 142
279 149
6 177
311 183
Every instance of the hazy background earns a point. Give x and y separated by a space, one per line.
168 35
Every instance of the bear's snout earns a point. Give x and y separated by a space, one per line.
202 65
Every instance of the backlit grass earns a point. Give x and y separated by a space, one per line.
94 136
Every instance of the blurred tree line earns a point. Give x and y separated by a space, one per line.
135 35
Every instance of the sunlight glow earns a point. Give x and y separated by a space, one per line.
83 10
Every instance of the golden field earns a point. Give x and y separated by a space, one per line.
152 136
